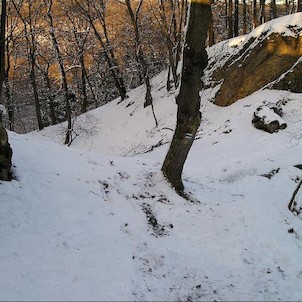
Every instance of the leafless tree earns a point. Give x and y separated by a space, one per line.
188 101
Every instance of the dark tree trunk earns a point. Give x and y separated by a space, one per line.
188 101
2 46
262 9
50 97
84 104
119 84
230 19
10 103
91 90
273 9
178 34
122 88
104 40
226 13
5 149
32 76
29 33
255 23
8 96
244 26
169 44
5 155
287 6
236 19
299 6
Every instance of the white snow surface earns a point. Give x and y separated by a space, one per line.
98 221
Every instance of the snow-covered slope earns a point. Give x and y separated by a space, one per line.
76 225
98 221
124 128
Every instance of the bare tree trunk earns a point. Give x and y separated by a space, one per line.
287 7
2 46
230 19
99 8
138 49
29 32
9 102
8 97
91 90
244 27
169 44
188 101
178 34
273 9
80 41
67 94
5 149
50 97
226 14
32 76
262 9
236 19
299 6
112 68
83 83
255 23
293 8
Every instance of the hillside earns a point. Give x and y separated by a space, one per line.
97 221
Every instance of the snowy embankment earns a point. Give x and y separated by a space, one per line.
88 223
76 225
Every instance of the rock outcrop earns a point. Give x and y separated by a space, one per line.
268 117
263 59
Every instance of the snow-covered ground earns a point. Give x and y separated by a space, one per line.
98 221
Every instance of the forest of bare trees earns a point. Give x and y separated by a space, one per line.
64 57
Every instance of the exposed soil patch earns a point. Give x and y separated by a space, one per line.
157 228
270 174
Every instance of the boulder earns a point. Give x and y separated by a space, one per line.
267 117
263 60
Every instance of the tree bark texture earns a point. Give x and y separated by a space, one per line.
5 149
236 19
273 9
255 23
262 16
230 19
244 12
169 44
299 6
2 46
5 155
188 101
